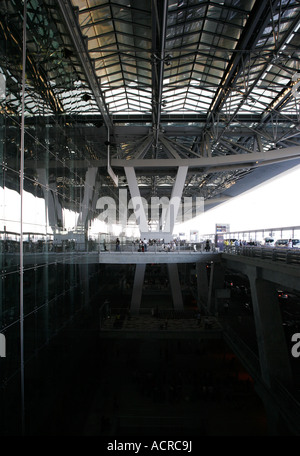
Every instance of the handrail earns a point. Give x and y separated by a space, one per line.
281 254
132 247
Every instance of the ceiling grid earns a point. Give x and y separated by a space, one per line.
168 79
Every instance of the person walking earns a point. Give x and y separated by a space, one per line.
145 245
118 245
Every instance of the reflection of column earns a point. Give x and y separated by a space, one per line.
137 288
53 206
84 284
272 346
175 286
89 189
202 284
1 295
46 301
216 282
95 197
72 279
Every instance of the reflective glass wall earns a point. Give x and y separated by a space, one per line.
46 277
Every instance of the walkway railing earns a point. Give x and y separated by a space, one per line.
282 254
156 248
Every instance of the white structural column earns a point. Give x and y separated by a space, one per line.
175 287
175 201
165 232
170 211
137 288
89 187
136 199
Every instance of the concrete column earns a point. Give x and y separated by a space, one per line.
216 283
202 285
175 286
273 351
137 288
166 224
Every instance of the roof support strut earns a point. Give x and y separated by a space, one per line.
159 39
79 43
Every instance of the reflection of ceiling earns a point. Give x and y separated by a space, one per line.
157 80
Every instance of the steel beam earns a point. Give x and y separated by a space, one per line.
82 52
157 76
248 39
143 149
205 164
247 160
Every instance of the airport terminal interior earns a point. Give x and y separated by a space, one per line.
121 120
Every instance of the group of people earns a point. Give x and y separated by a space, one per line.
165 247
169 247
143 245
239 243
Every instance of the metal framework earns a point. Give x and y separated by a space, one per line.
161 83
